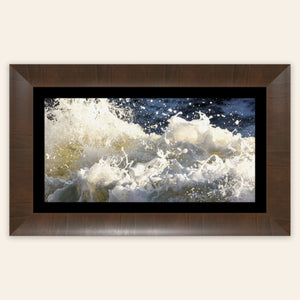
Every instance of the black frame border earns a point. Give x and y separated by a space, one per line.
40 93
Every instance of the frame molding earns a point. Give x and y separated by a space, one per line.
276 79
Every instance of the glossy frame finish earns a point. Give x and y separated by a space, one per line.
275 78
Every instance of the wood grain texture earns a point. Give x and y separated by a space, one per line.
276 78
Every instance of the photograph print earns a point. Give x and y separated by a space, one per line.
149 149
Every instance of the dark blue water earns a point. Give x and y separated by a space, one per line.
234 114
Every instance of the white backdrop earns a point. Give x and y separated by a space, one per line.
157 31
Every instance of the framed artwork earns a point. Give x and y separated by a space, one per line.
149 149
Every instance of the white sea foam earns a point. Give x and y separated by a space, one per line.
95 152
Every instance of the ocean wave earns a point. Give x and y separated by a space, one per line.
95 152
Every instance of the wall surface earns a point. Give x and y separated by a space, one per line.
157 31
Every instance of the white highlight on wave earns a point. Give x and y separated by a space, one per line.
94 153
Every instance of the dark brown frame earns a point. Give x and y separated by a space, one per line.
276 79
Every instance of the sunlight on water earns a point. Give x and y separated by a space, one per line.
94 151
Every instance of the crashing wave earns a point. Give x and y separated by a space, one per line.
95 152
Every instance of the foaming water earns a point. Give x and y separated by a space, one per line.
95 152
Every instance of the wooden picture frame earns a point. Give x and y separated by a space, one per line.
276 219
